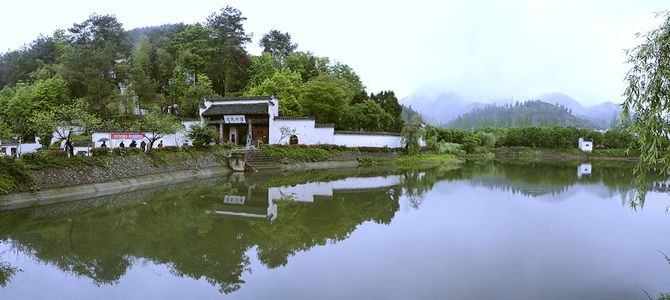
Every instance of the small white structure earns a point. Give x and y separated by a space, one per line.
583 169
9 147
586 145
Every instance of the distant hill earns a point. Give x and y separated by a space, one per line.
601 114
529 113
441 108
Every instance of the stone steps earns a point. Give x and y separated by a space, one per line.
256 160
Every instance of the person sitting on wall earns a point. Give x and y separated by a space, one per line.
143 146
133 144
122 145
160 145
103 144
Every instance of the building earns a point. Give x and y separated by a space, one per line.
236 117
586 145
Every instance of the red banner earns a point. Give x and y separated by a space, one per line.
127 136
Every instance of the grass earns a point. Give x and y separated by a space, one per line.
411 159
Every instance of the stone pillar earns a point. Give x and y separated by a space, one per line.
221 133
249 134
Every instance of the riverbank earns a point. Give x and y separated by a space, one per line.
557 155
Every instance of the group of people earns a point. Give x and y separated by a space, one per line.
133 144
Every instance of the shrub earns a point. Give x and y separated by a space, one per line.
277 153
12 171
449 148
100 151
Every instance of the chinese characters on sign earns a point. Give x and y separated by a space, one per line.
234 119
232 199
127 136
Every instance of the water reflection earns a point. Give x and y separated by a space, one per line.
207 229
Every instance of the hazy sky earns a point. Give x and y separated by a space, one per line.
481 50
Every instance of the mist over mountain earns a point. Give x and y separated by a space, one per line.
440 108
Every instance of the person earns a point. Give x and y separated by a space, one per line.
160 145
103 144
122 145
133 144
143 146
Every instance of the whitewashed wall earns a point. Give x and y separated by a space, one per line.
367 140
307 134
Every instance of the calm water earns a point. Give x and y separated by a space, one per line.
472 231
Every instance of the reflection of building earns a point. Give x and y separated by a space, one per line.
261 203
307 192
583 169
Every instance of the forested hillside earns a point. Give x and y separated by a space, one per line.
529 113
118 74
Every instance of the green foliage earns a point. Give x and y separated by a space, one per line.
411 134
201 134
449 148
324 100
12 172
367 115
280 152
287 86
648 96
157 125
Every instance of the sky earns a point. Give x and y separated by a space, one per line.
482 50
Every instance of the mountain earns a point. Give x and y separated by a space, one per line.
440 108
601 114
529 113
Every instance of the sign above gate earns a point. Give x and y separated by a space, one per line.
234 119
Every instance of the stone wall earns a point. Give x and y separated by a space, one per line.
119 167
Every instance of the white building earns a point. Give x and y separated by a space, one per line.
234 118
586 145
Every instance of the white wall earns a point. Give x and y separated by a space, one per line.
307 134
367 140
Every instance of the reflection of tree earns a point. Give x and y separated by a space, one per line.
176 227
303 226
6 273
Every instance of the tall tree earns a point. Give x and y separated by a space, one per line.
388 101
278 44
90 61
140 74
228 73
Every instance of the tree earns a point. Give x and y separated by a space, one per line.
389 103
228 73
411 134
287 86
368 115
647 97
157 125
65 121
325 101
193 98
278 45
90 59
201 134
140 74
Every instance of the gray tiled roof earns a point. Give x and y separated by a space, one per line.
237 109
292 118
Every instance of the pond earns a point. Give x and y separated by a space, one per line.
487 230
